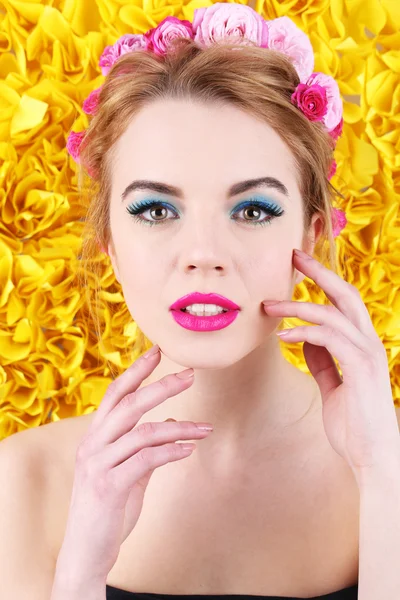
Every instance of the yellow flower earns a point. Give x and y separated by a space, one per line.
52 365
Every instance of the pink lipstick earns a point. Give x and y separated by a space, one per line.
207 322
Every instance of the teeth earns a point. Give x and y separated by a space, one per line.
201 310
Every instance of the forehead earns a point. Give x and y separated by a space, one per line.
194 144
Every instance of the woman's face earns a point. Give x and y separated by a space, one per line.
204 237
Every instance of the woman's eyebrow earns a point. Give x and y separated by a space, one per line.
237 188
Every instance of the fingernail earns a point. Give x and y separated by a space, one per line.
271 302
188 447
204 427
185 374
154 350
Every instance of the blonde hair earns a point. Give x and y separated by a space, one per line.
254 79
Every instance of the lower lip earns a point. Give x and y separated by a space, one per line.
211 323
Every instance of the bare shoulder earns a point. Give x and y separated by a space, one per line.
60 439
46 451
25 549
50 440
57 443
36 470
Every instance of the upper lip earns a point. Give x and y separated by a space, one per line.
199 298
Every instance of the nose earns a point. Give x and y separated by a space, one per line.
203 267
204 261
204 249
203 244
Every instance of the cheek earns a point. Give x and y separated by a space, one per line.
141 272
143 276
268 277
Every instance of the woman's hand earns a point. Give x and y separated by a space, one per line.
114 463
358 411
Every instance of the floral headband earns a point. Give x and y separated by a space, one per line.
317 95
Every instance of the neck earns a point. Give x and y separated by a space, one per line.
257 402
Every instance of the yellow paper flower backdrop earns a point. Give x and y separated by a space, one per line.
51 364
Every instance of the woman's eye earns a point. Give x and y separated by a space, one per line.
253 214
253 211
157 211
258 212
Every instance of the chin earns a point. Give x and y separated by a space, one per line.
210 355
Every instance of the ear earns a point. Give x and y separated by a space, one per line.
310 240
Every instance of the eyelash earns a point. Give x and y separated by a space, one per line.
135 210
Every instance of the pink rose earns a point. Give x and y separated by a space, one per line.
126 43
334 112
73 145
159 38
284 36
90 104
222 20
74 142
312 101
93 174
337 132
339 221
332 169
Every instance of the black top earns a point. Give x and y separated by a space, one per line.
113 593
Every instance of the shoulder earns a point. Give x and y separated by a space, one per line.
58 441
39 449
20 459
23 518
30 459
36 470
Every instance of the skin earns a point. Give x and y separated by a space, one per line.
243 385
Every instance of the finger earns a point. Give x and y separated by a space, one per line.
322 367
350 358
128 382
342 294
140 466
128 412
322 315
148 435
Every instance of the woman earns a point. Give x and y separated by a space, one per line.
192 151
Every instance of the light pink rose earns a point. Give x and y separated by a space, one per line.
125 44
237 21
159 38
312 100
90 104
284 36
339 221
335 105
